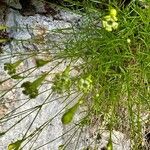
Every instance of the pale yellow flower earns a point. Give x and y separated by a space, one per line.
109 23
114 25
85 85
106 26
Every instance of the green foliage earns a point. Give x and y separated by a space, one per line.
15 146
62 81
41 62
85 85
31 88
11 67
112 47
69 114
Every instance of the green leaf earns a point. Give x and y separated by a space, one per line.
26 84
41 62
68 116
15 146
30 90
38 81
11 67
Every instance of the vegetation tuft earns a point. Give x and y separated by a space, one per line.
108 69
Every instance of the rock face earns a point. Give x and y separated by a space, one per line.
34 33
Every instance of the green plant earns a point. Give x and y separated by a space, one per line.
112 80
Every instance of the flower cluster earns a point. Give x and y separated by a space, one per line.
85 85
62 81
31 88
110 21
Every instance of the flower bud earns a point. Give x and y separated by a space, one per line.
128 41
113 12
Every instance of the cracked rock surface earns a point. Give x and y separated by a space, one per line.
23 29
